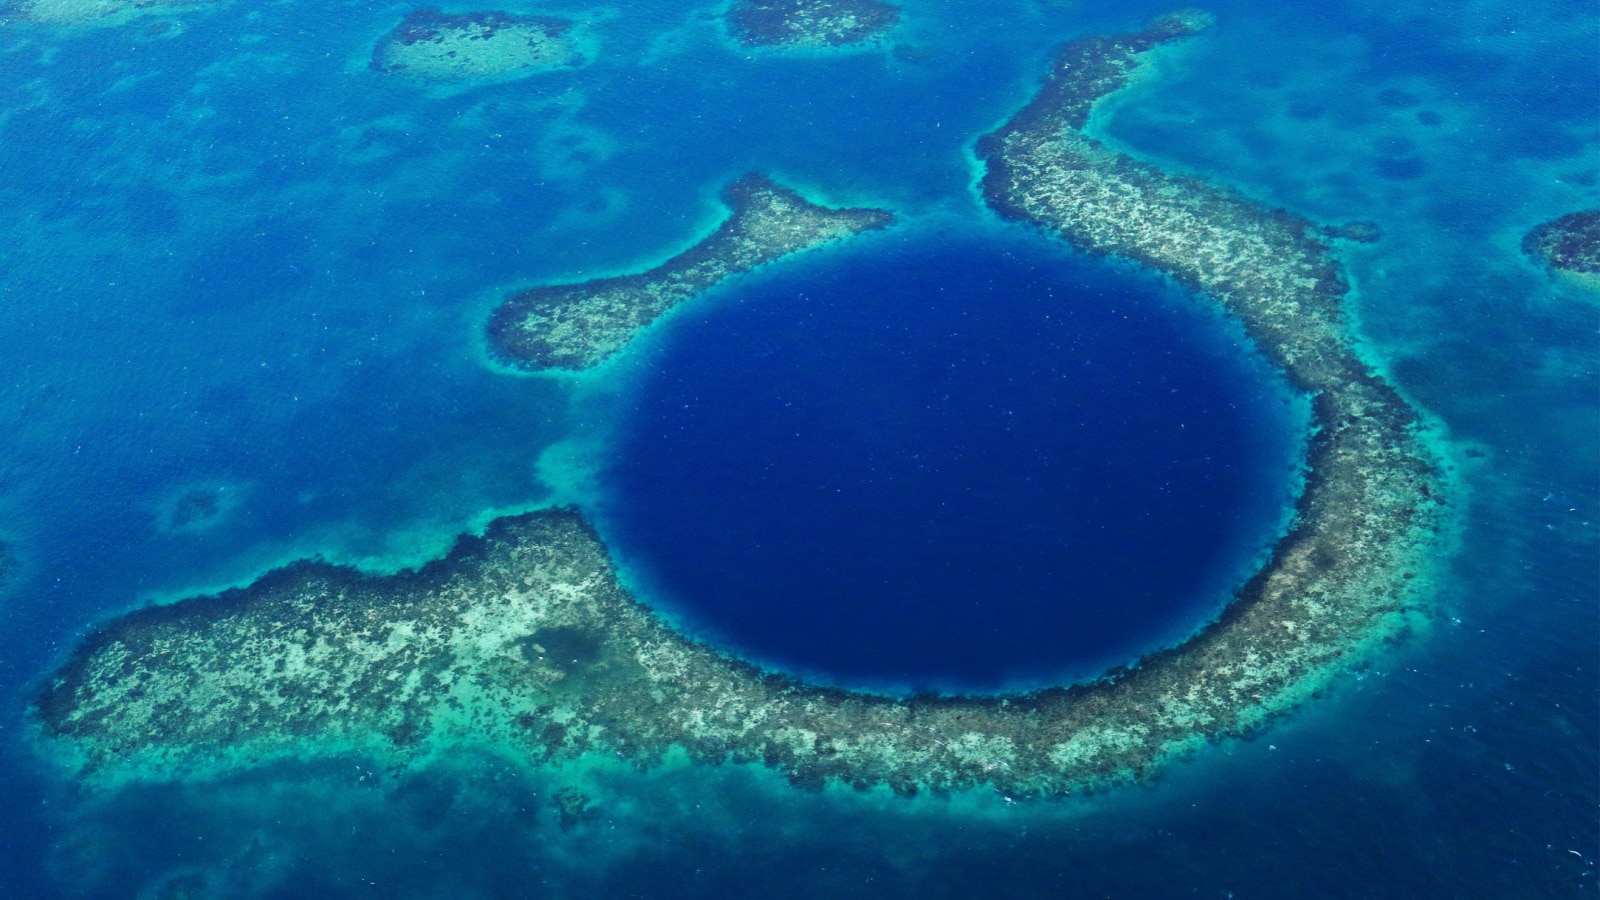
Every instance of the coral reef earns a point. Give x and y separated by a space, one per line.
810 23
433 46
100 12
196 507
575 326
523 642
1372 512
1569 244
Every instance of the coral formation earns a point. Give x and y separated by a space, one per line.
575 326
100 12
1372 510
196 507
523 642
1569 244
810 23
433 46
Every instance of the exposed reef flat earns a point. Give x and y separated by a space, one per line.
1570 244
523 642
433 46
100 12
575 326
810 23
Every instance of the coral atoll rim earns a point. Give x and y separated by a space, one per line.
524 642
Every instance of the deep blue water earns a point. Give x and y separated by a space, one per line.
954 461
235 259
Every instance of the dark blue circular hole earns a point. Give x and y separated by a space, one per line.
952 463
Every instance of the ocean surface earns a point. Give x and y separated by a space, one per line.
243 281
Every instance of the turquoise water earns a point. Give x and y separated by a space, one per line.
236 261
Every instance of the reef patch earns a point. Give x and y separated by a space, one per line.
524 644
810 23
101 12
576 326
196 507
435 46
1570 244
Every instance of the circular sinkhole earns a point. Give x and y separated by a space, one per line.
952 464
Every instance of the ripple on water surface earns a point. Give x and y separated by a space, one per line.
956 463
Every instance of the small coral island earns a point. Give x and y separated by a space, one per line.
433 46
524 643
810 23
575 326
1570 244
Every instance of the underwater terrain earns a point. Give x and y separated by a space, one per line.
797 448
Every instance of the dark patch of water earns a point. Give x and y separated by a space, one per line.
956 464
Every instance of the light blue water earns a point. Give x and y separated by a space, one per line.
233 256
